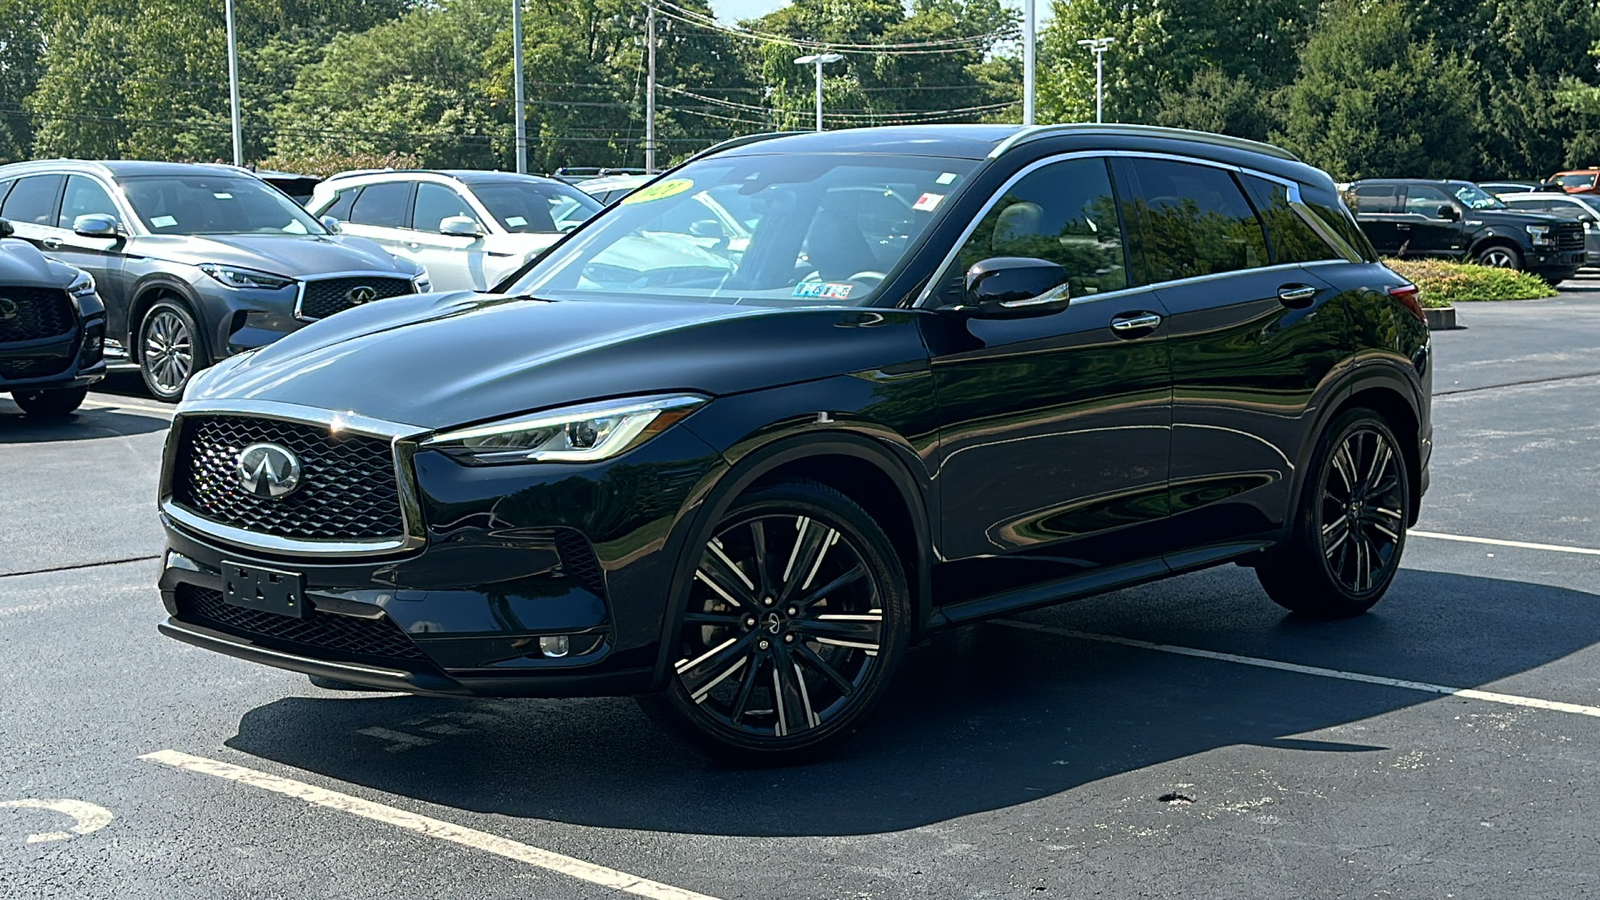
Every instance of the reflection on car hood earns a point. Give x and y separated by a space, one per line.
1512 217
21 265
436 360
292 255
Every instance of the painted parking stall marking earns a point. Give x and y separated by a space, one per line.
86 817
1467 693
435 828
1496 542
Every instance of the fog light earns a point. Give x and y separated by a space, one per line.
554 645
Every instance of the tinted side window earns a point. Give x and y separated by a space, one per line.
384 205
1425 200
342 201
33 200
1377 198
1064 212
85 197
1336 216
435 203
1289 238
1194 220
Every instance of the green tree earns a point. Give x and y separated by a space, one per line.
21 46
1373 99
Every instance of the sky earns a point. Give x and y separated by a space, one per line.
731 11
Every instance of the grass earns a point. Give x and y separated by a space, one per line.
1448 283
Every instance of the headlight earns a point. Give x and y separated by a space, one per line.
421 282
1540 235
82 286
245 278
587 433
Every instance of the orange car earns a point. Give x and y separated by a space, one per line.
1578 181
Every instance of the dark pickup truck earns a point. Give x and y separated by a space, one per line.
1458 220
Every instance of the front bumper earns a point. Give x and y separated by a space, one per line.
62 362
1560 264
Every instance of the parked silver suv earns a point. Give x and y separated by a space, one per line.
194 262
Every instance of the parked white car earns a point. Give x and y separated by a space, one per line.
468 229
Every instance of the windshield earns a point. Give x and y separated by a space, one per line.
536 207
221 203
1475 197
1575 180
790 229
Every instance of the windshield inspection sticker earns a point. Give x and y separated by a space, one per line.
163 222
658 191
946 178
824 290
927 202
515 221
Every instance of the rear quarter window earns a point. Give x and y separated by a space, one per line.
1289 238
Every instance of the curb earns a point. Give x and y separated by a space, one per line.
1443 319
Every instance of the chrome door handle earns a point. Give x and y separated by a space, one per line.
1141 322
51 243
1296 294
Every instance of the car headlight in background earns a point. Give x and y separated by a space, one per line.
1540 235
587 433
245 278
81 286
421 282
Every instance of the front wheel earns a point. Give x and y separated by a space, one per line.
52 404
1350 529
1500 256
170 350
797 615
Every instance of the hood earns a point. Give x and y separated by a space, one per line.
1512 217
21 265
291 255
439 360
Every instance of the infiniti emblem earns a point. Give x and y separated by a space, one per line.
268 471
8 308
774 624
360 294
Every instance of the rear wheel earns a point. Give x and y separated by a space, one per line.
796 619
170 349
1350 528
51 404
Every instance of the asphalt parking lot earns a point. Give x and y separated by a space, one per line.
1184 739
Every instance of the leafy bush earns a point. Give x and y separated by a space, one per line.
324 163
1448 283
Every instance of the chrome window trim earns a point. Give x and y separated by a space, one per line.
403 439
300 286
1292 187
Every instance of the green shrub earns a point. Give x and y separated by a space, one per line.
1448 283
324 163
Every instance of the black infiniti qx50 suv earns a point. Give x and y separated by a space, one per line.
736 443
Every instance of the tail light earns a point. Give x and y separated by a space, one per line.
1408 295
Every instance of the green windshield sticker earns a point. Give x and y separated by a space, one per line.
659 191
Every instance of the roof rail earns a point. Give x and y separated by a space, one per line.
351 173
742 141
1035 132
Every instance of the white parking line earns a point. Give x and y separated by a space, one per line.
445 831
1558 548
1469 693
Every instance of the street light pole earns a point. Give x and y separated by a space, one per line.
650 88
233 86
1098 47
818 60
516 76
1028 36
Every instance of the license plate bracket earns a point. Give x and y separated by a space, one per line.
265 590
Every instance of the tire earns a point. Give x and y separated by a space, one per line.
50 404
1500 256
780 661
170 349
1328 570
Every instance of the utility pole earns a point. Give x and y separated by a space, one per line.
1028 41
818 60
1098 46
233 86
650 87
516 75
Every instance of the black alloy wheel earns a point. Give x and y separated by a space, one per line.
170 351
1351 528
797 616
50 404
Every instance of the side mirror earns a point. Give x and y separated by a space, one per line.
96 225
5 229
460 226
1015 287
332 224
710 228
1449 212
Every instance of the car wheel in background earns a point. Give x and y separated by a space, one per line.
170 350
797 616
1500 256
1350 527
52 404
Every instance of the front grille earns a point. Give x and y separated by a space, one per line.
33 368
1569 236
324 635
347 485
28 314
324 297
578 561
